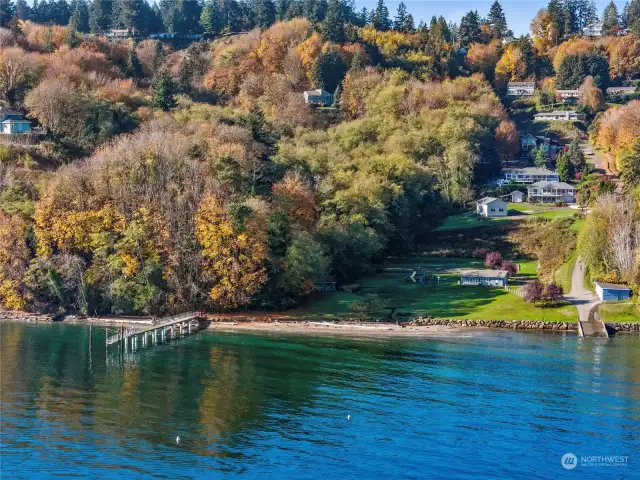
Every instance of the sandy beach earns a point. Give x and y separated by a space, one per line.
347 329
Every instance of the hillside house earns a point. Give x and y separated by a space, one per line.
491 207
566 116
121 33
521 89
490 278
12 122
318 97
621 90
568 95
593 30
528 142
529 175
551 192
612 292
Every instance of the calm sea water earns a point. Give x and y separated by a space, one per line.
489 405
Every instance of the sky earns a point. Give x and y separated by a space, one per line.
519 12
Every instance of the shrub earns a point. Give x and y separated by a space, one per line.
366 307
533 291
510 267
493 260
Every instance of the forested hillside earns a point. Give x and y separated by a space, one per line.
168 175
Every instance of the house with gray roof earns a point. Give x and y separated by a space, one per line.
561 115
521 89
529 175
488 278
491 207
551 192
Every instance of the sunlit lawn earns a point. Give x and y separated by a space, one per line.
444 300
470 219
620 312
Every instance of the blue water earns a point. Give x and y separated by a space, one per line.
495 405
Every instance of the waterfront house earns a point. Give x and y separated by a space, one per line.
563 115
13 122
490 278
318 97
610 291
521 89
621 90
528 142
551 192
491 207
517 196
529 175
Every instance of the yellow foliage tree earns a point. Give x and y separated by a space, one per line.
234 257
14 260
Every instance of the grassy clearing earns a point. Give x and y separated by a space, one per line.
564 272
444 300
620 312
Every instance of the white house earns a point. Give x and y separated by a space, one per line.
529 175
517 196
13 122
122 33
593 30
491 207
521 89
318 97
551 192
567 116
621 90
566 95
491 278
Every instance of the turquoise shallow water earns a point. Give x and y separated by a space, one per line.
493 405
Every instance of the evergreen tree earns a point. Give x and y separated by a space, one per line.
624 16
401 17
209 18
7 10
556 11
566 169
575 154
633 17
80 16
264 13
133 66
281 9
22 11
132 14
163 89
99 16
380 18
497 21
610 18
469 29
329 70
539 157
71 36
333 25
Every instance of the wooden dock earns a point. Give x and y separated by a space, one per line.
168 328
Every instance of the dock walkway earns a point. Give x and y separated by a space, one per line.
171 327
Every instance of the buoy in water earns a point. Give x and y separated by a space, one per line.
348 417
178 439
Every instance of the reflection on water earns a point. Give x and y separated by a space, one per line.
505 404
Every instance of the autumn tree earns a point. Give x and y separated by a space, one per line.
14 261
507 141
533 291
493 260
234 254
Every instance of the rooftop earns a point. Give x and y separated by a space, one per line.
553 184
557 113
484 273
486 200
531 171
521 84
8 111
612 286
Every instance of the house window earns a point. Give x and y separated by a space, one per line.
493 209
501 210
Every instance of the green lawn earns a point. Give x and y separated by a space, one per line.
444 300
469 219
620 312
564 272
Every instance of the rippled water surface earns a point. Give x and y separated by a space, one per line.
488 405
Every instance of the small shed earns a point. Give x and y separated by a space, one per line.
610 291
491 207
491 278
517 196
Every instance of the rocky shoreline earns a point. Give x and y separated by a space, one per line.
266 319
